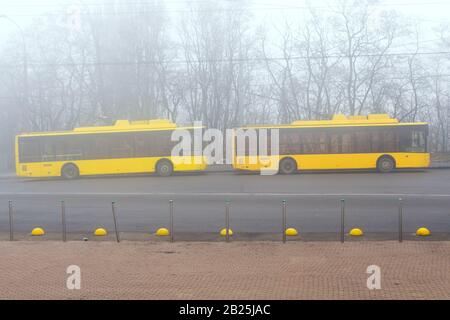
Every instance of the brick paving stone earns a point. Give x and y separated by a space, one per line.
236 270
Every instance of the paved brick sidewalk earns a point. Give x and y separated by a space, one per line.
237 270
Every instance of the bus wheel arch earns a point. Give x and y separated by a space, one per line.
164 167
287 165
386 163
70 171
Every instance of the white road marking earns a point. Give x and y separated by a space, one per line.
225 194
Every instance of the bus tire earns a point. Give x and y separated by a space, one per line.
70 171
287 166
385 164
164 168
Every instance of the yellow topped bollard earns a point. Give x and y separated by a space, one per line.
162 232
223 232
292 232
100 232
423 232
356 232
37 232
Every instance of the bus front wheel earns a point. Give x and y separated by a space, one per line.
164 168
385 164
70 171
288 166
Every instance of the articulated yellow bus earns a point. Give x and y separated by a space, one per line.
375 141
126 147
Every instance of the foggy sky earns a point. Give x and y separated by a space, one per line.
430 14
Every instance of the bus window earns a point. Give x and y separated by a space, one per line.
347 143
29 150
320 142
60 148
412 141
99 146
140 145
284 142
47 148
158 143
418 142
362 142
290 141
376 140
334 143
295 141
74 146
308 143
390 141
121 146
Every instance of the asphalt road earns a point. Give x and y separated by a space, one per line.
313 201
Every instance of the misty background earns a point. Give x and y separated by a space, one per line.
227 63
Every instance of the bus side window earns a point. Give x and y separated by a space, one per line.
347 142
29 150
47 149
412 140
405 140
60 146
100 146
377 140
295 142
390 141
362 142
308 143
284 141
146 144
334 143
320 142
121 145
158 143
418 141
140 145
75 146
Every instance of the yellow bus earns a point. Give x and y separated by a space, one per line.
375 141
126 147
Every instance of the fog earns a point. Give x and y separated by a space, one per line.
73 63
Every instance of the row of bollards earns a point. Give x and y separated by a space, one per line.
225 232
63 222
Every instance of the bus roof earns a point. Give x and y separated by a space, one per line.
119 126
340 120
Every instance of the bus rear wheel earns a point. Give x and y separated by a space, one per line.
288 166
385 164
164 168
70 171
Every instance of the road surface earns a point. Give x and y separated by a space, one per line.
313 201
